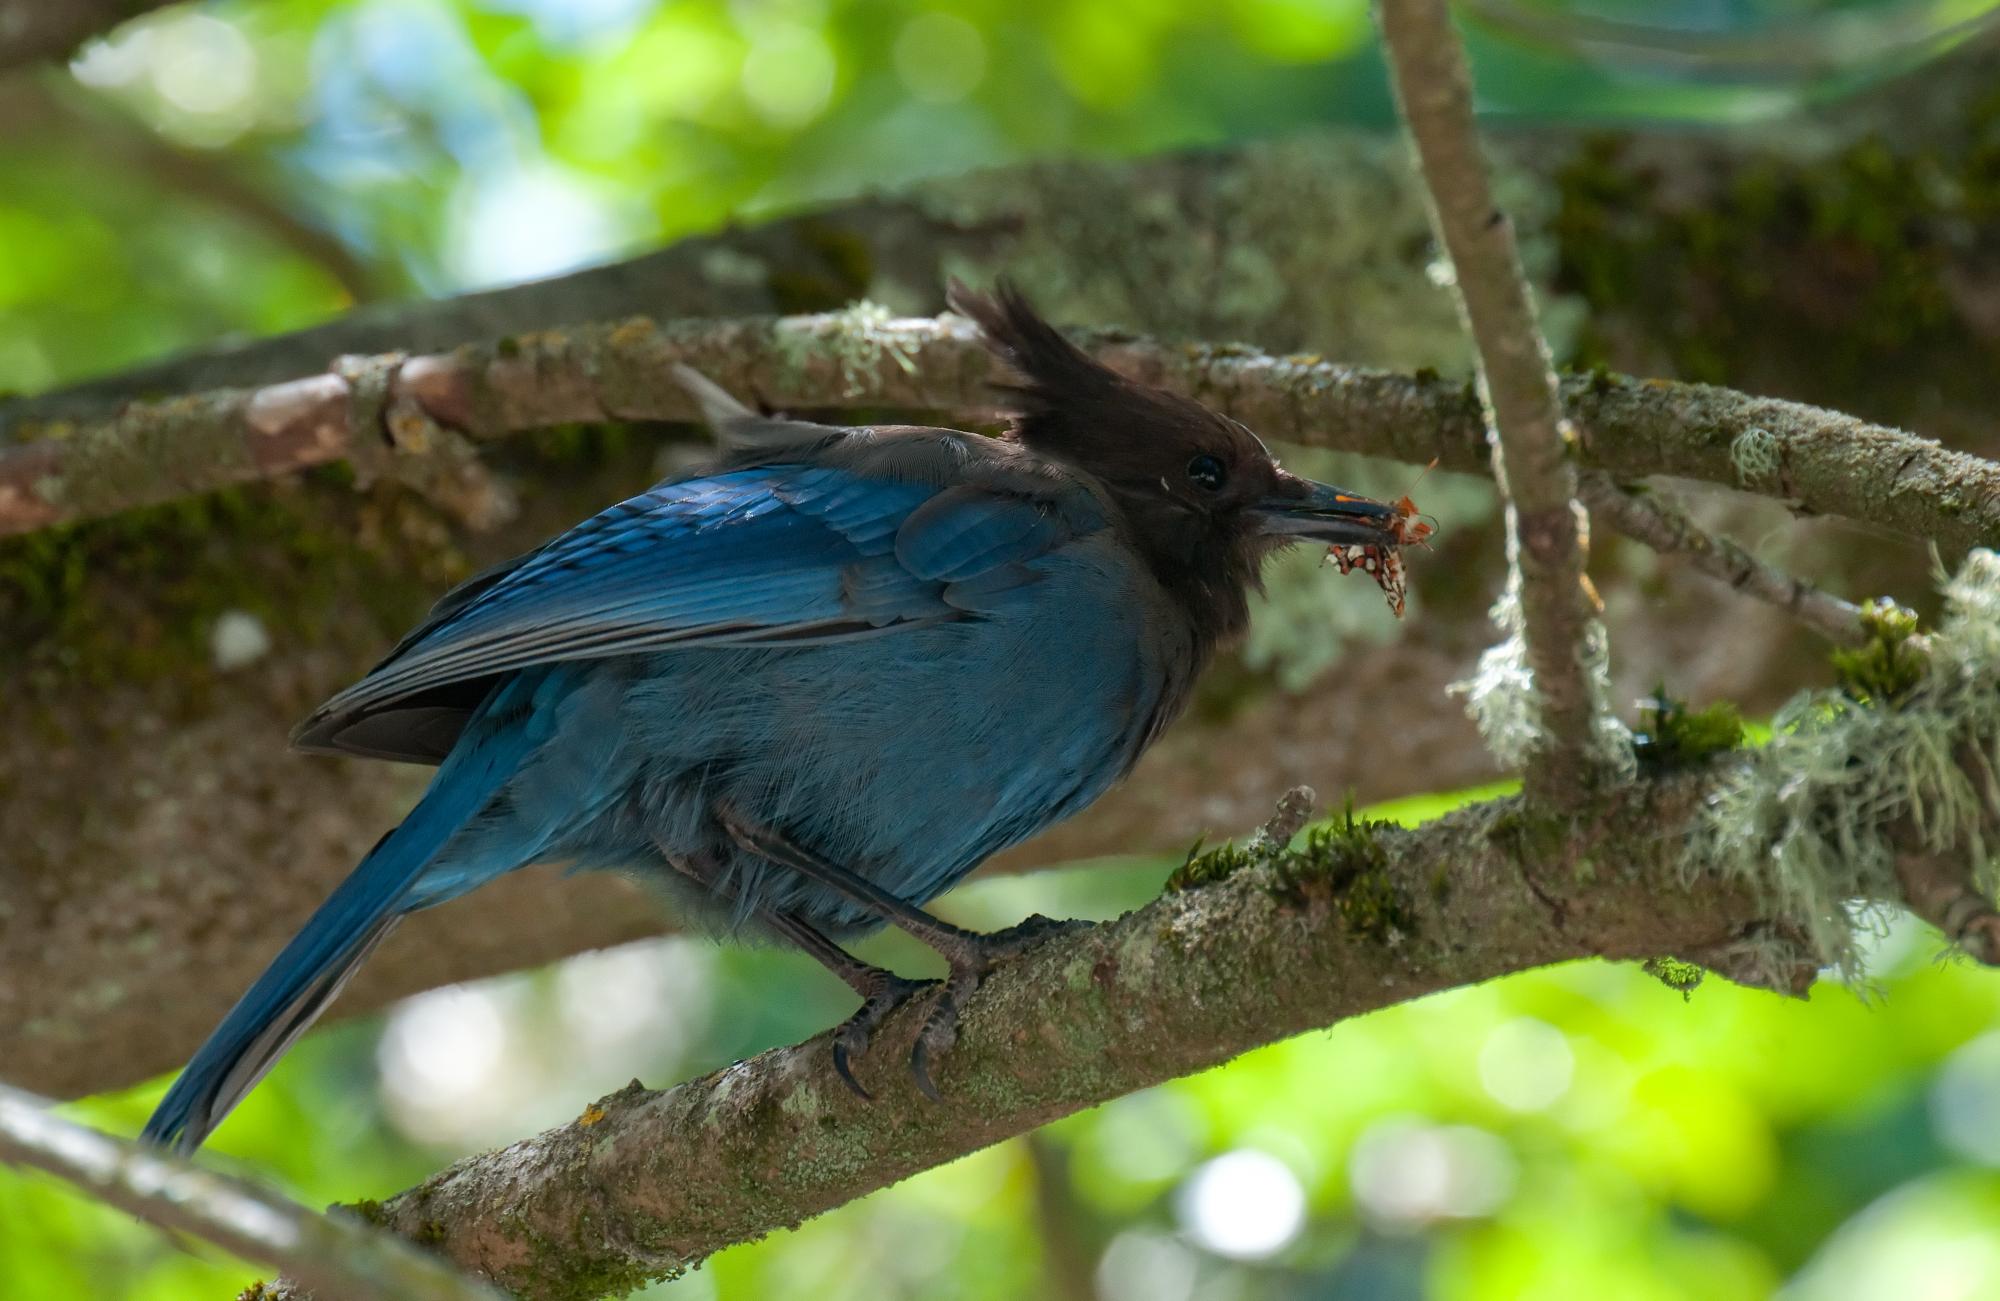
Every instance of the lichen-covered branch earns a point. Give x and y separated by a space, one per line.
1649 517
1531 436
336 1256
1745 862
1356 919
1820 462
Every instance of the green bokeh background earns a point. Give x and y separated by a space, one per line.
1580 1132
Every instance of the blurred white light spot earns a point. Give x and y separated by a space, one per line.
201 65
238 639
635 996
1965 1101
1440 272
1406 1173
440 1048
1928 1240
941 58
1142 1266
528 222
1526 1064
1243 1204
118 60
788 74
1149 1137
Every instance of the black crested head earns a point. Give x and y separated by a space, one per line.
1202 498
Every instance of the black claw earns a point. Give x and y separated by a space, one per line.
850 1041
920 1071
840 1068
972 959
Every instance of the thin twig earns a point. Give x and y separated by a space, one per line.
1651 517
1531 435
336 1256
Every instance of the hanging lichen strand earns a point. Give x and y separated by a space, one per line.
1853 779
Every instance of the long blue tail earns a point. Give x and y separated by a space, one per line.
311 969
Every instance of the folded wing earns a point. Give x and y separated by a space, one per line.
782 553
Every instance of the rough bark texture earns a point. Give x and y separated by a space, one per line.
185 934
1819 462
645 1183
151 815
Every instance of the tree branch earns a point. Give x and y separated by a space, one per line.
1241 243
1821 462
1531 439
1652 518
1355 920
336 1255
150 796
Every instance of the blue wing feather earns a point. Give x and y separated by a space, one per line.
774 552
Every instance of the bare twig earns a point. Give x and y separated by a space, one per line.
1819 461
1531 435
336 1256
1294 810
1060 1217
1943 894
1651 517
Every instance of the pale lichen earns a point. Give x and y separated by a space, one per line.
857 340
1816 819
1506 705
1754 454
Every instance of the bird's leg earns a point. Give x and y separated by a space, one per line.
882 991
972 956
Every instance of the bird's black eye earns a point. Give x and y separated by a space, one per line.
1206 472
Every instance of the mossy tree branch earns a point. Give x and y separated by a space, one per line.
1819 462
206 908
1354 918
336 1255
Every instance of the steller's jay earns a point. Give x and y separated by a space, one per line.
813 685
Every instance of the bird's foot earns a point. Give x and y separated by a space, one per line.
851 1039
973 957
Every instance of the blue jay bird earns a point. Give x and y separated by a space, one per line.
812 685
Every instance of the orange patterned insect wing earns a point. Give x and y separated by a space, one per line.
1385 564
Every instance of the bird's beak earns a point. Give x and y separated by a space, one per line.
1319 512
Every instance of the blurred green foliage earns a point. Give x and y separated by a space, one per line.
1579 1132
